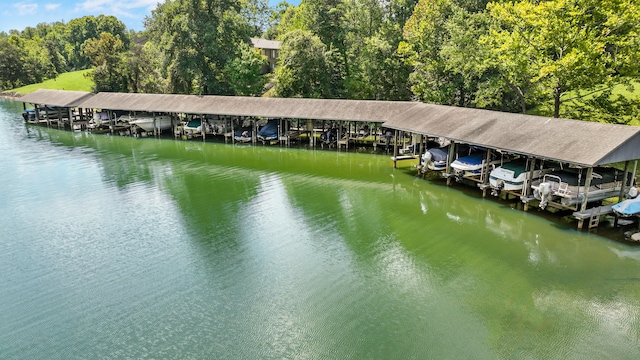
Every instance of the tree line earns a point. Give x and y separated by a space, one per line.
554 57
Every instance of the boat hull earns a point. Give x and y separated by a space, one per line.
514 176
150 123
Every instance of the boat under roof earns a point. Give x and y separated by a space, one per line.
576 142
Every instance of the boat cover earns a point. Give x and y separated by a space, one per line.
518 167
627 207
601 175
439 154
269 130
473 159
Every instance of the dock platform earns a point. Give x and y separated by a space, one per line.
593 215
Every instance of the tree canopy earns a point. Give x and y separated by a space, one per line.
566 58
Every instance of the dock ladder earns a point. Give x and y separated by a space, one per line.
594 218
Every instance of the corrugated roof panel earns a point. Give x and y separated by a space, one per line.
303 108
579 142
56 97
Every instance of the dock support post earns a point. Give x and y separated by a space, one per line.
452 151
526 188
254 132
623 188
70 115
37 110
585 199
484 177
395 147
587 184
203 126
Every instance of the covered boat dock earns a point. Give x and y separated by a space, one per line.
577 143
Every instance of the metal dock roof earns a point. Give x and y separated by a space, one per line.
573 141
293 108
56 97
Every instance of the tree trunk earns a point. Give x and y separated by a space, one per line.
556 102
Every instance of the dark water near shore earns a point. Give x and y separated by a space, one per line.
116 247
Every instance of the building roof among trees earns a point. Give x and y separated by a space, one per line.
265 44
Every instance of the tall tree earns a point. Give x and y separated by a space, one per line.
106 55
86 28
277 14
425 34
244 72
198 38
11 74
377 70
143 64
304 69
257 14
567 45
24 61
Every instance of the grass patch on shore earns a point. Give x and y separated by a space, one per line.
575 105
73 81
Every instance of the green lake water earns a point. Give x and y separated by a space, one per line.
116 247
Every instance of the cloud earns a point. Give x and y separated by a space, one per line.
94 5
127 8
26 8
51 7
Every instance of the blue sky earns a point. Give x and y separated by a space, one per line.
18 14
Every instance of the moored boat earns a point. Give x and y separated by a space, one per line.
513 175
243 135
629 207
475 164
269 131
194 126
435 159
148 122
51 112
568 186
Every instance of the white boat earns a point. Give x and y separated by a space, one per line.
435 159
194 126
99 119
473 165
149 122
512 175
567 187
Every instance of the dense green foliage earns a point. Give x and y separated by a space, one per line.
561 58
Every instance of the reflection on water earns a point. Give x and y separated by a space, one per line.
121 247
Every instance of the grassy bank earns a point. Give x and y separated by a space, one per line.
75 81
